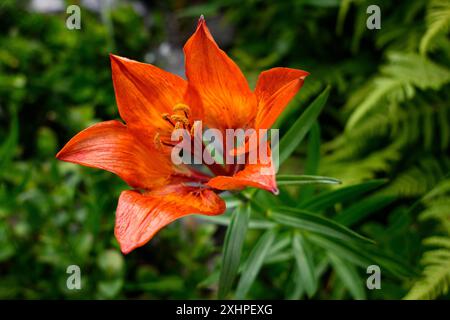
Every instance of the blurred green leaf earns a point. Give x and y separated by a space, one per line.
300 128
305 264
225 220
254 263
307 221
362 209
8 146
232 249
280 251
304 179
340 195
342 249
313 152
312 161
349 276
363 255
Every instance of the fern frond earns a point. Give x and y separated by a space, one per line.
437 205
435 280
438 22
396 83
439 210
420 178
416 123
361 169
441 188
438 242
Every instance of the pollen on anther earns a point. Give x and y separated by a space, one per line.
179 118
182 107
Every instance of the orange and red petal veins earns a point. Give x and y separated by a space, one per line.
143 93
274 90
220 87
260 175
110 146
140 216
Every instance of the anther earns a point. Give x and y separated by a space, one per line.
178 118
182 107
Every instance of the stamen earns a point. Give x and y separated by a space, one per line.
178 125
166 117
178 118
182 107
167 144
157 141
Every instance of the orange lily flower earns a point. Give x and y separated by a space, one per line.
152 103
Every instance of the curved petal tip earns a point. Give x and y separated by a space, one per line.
275 191
201 20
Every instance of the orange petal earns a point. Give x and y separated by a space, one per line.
110 146
274 89
139 217
217 81
259 175
143 93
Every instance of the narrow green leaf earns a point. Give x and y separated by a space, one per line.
304 179
304 220
282 242
305 264
349 277
392 264
364 255
254 263
279 257
210 280
342 249
225 220
294 288
363 209
232 249
332 197
280 251
313 152
312 162
300 128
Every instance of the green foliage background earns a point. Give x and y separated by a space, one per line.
384 132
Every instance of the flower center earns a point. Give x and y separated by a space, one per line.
179 119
